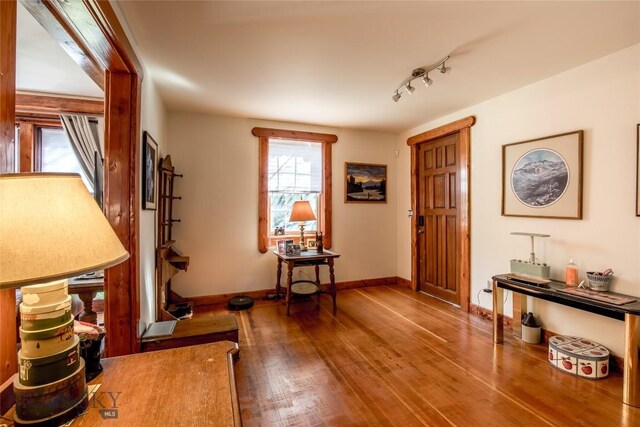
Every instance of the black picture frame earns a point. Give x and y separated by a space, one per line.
149 172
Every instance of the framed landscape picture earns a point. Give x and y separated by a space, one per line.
542 177
365 183
149 164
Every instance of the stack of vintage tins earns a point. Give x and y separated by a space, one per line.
50 388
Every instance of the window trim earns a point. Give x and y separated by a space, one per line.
327 140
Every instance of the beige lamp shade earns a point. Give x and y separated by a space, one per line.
302 211
50 229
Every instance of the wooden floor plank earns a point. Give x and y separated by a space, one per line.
391 356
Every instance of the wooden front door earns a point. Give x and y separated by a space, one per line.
438 202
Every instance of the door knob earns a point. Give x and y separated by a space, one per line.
421 231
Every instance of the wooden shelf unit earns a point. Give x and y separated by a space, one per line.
169 262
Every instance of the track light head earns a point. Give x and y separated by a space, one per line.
444 69
396 97
410 88
427 81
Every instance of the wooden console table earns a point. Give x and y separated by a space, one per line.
306 259
188 386
630 313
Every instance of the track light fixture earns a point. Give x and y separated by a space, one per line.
421 73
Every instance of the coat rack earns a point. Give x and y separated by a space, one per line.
169 262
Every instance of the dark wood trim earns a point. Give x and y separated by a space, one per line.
91 33
204 300
463 128
326 219
42 120
326 206
64 32
27 137
8 10
263 195
294 134
405 283
121 189
30 103
441 131
414 216
465 218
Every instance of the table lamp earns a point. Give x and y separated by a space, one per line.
302 212
50 229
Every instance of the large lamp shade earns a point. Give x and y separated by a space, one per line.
51 228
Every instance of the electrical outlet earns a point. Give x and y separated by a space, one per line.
489 288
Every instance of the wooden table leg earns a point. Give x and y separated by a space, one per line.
519 307
88 315
278 275
498 313
631 380
289 283
332 279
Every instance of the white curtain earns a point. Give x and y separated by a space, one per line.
295 166
82 132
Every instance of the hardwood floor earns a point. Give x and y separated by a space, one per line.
394 357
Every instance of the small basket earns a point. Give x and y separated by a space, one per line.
598 282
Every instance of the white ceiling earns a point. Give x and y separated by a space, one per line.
43 66
338 63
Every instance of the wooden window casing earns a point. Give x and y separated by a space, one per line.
325 208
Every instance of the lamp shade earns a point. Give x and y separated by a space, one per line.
50 229
302 211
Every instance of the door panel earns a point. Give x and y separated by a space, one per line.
438 197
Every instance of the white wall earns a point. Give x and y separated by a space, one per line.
219 208
153 120
602 98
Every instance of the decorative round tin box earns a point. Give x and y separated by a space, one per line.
579 356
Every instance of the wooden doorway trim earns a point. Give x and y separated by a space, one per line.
91 33
463 127
8 336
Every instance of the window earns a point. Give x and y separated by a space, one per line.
57 155
295 173
293 166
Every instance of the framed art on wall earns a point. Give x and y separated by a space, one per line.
542 177
638 170
149 179
365 183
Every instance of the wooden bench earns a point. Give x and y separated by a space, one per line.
199 330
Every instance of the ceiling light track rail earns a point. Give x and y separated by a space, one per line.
421 73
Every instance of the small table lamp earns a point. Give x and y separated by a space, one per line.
302 212
50 229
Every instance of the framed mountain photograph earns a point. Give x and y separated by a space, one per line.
542 177
365 183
